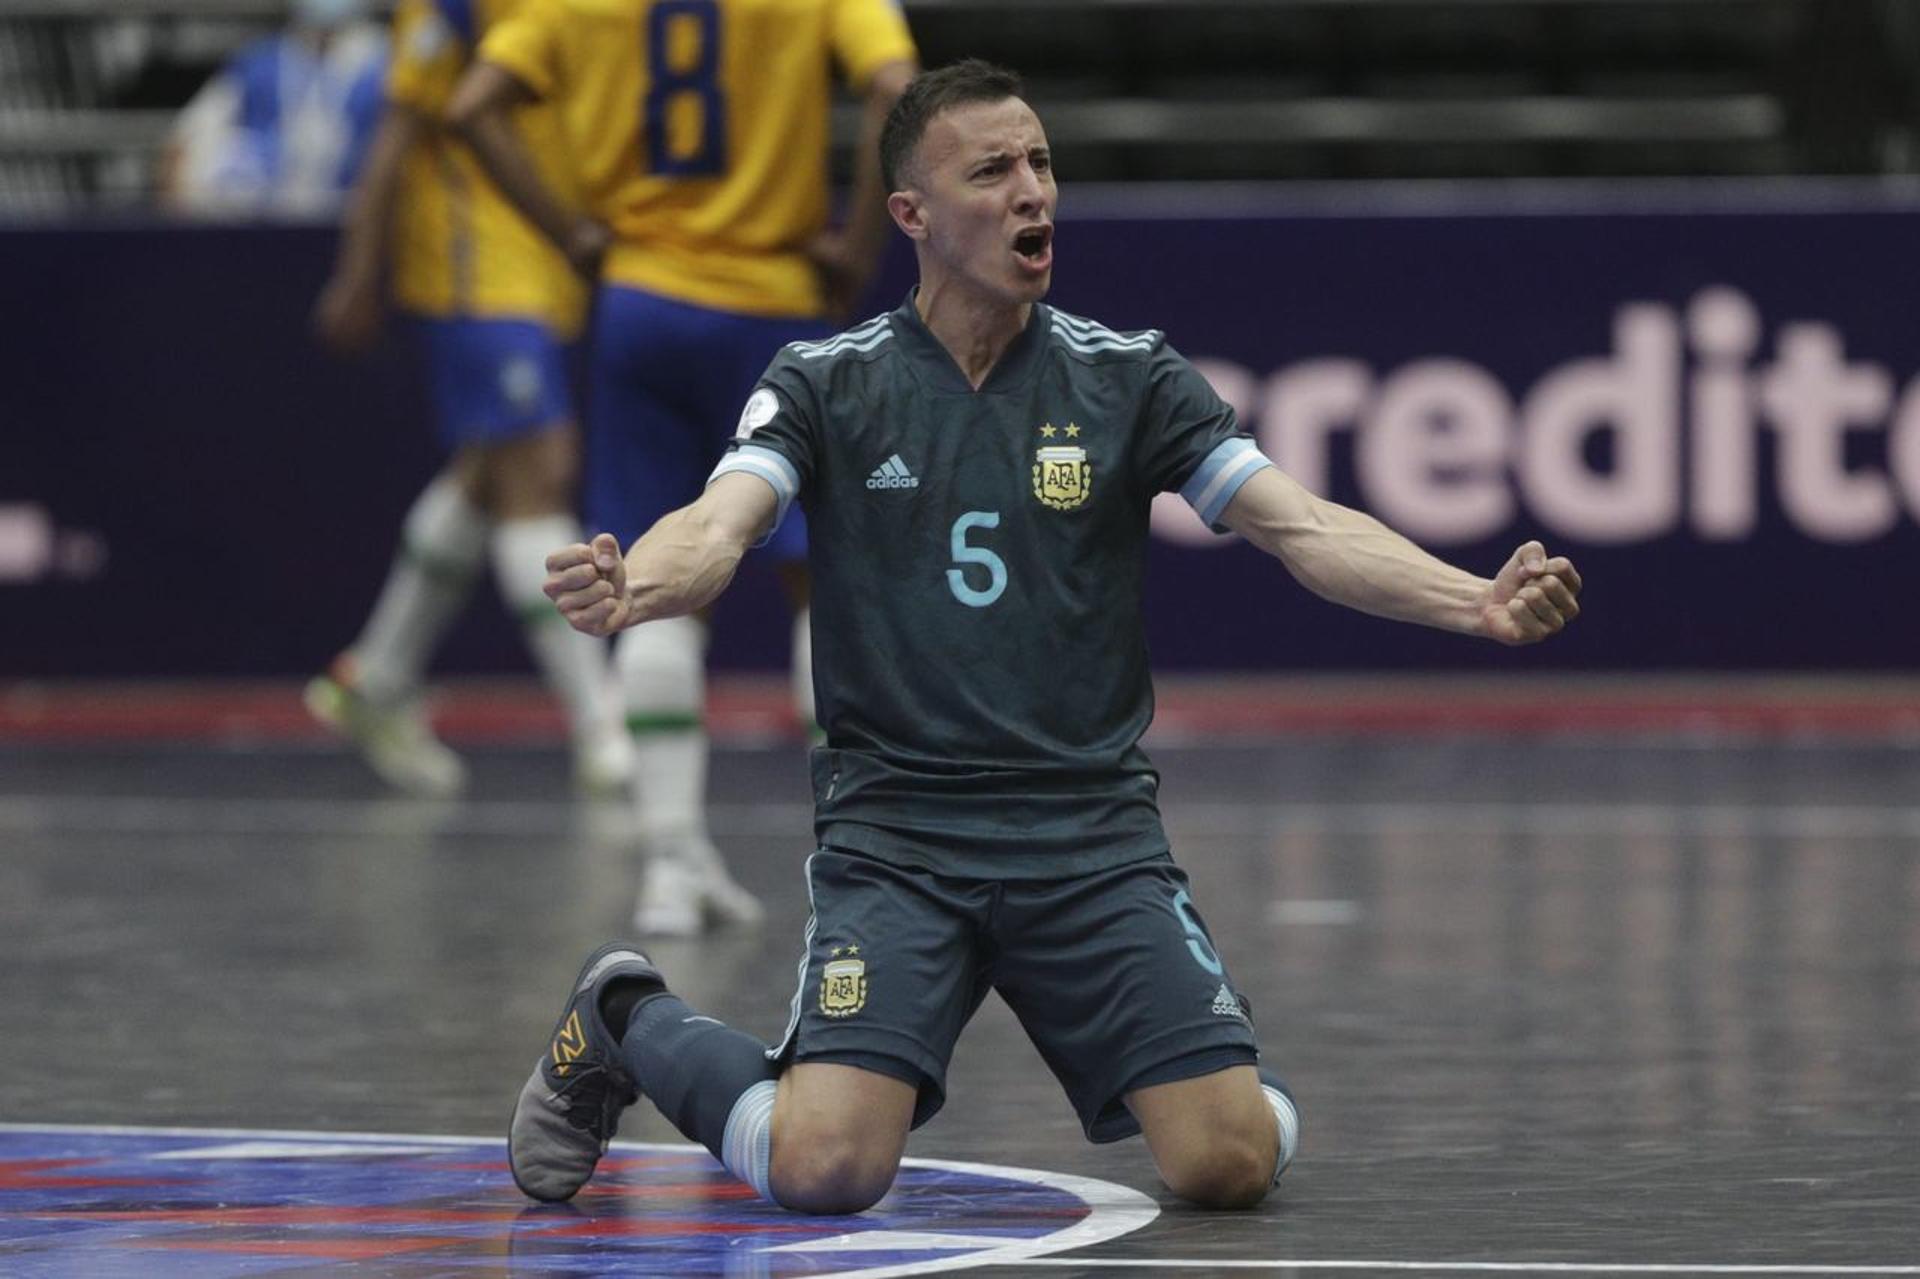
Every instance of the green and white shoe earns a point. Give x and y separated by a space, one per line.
394 738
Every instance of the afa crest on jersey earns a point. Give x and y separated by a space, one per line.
1062 476
843 983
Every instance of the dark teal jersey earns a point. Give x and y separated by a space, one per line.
979 653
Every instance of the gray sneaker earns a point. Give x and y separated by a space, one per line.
570 1107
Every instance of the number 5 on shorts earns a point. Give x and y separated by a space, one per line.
1197 943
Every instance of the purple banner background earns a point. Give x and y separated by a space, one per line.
191 488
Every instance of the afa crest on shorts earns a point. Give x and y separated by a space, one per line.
1062 476
843 983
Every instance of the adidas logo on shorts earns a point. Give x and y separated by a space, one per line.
893 474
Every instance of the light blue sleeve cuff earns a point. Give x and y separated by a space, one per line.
1218 478
751 459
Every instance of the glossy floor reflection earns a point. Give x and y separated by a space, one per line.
1542 1002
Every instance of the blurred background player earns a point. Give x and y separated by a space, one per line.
495 306
282 129
699 129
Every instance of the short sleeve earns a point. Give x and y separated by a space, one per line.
527 45
867 35
775 438
1192 442
429 53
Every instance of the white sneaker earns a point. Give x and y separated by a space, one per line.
602 761
727 905
684 896
395 740
669 904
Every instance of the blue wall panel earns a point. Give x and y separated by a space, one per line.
1709 409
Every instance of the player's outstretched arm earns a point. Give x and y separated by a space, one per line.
678 566
1351 558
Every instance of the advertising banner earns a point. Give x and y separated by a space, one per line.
1710 404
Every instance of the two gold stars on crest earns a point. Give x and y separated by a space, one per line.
1048 431
845 950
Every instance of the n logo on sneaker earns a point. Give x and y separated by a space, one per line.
569 1043
893 474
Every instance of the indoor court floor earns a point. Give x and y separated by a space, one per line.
1551 1004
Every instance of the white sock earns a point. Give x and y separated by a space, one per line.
662 668
575 665
1288 1118
748 1144
803 703
441 545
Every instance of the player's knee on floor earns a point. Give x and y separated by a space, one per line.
1233 1171
830 1175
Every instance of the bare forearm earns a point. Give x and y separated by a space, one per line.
369 215
1350 558
684 562
868 225
505 158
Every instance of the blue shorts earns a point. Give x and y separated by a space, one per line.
494 379
667 383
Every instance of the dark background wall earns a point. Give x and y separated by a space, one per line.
189 487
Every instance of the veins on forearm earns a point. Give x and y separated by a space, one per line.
680 566
1350 558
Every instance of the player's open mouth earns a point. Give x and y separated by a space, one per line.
1034 247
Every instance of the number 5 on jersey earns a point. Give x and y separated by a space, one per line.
972 596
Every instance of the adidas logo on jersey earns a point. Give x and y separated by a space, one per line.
893 474
1225 1005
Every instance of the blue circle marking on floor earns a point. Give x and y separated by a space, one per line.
211 1203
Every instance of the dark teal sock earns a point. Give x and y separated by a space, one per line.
692 1066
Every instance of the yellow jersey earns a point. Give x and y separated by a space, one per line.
699 129
460 248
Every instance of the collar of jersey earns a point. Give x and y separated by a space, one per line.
936 365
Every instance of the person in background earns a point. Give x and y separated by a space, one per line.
283 129
494 307
699 132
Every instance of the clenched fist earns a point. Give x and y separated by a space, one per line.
1532 597
588 583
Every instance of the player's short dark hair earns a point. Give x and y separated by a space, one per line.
930 93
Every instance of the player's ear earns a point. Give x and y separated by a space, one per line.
908 213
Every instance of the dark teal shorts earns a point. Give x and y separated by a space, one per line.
1113 976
